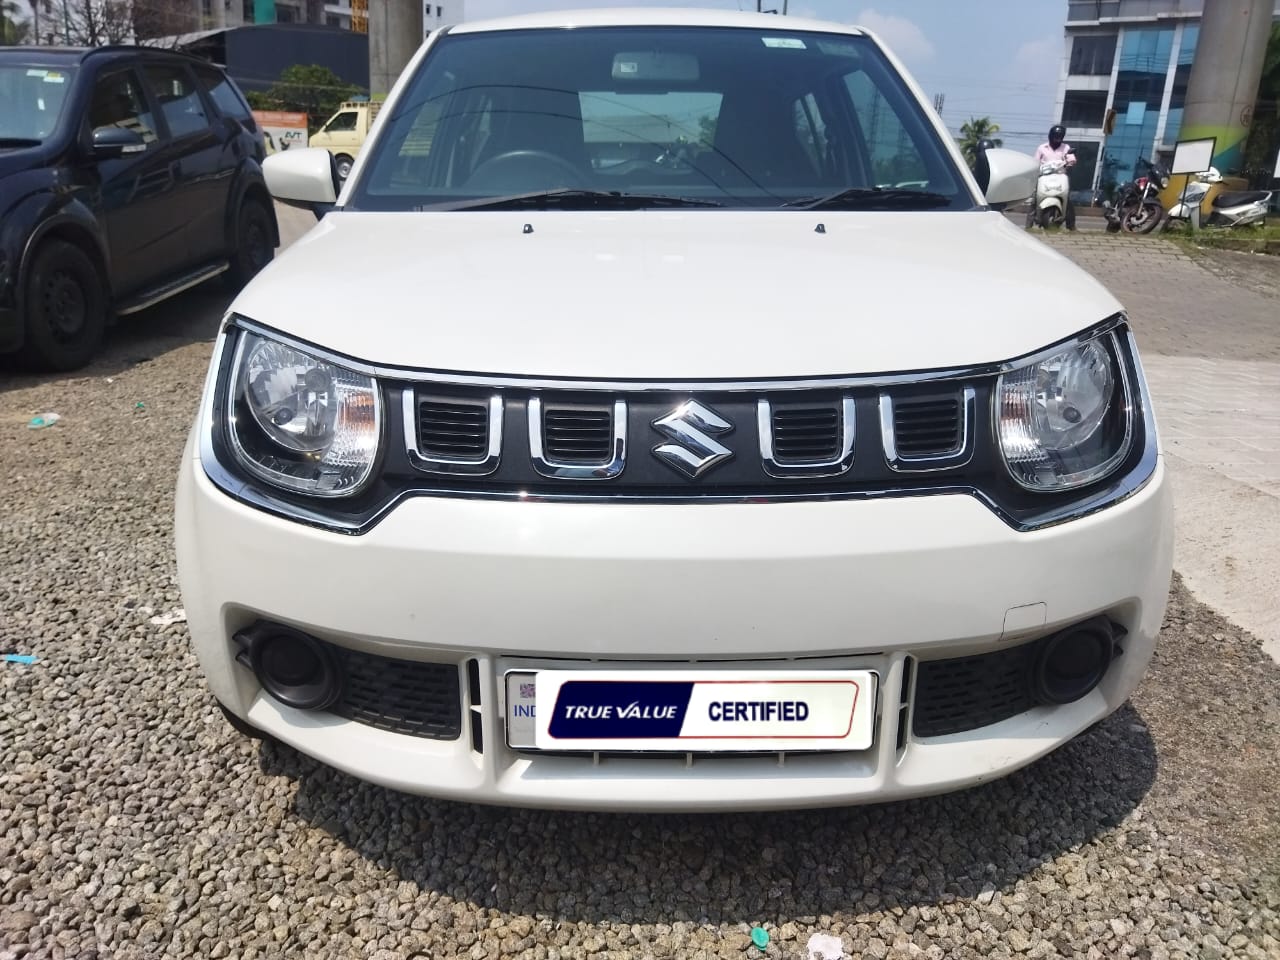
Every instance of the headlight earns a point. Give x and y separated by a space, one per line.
1067 420
302 423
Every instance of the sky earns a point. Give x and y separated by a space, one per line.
996 58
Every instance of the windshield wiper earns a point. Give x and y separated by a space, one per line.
875 198
570 198
19 142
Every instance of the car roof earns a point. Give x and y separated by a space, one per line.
70 56
654 17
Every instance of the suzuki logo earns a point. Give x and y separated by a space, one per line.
693 429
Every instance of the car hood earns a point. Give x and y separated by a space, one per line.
675 295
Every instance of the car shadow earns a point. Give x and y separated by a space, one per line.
920 852
190 317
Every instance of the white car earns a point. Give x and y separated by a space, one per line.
711 476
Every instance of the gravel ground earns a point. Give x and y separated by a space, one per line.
134 823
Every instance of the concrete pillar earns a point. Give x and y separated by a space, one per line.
395 33
1224 77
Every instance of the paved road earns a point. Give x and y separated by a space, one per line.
1209 329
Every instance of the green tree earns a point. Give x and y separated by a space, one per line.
306 88
14 28
975 130
707 129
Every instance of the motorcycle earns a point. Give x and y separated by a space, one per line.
1049 207
1137 204
1240 209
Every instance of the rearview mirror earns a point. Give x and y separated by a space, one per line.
304 177
117 141
1006 176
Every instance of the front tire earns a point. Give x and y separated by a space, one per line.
66 309
1144 218
253 249
344 165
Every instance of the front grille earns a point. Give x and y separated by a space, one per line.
806 433
971 692
451 428
402 696
577 433
928 426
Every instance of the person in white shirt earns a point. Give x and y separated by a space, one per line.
1057 149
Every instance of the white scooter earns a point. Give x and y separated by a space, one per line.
1242 209
1050 205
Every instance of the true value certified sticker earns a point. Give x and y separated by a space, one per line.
686 711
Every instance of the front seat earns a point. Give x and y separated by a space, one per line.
1240 198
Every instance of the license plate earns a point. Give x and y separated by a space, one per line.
655 710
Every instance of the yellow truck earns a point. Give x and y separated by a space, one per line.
346 131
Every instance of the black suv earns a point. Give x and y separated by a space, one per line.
126 175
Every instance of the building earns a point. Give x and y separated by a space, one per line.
437 15
255 55
1134 57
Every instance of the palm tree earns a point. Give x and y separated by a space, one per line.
974 131
13 30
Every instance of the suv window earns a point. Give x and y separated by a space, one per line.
222 92
346 120
744 117
118 101
179 100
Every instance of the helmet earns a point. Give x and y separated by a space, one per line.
1057 133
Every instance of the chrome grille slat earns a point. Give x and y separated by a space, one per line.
931 432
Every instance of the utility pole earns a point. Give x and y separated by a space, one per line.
1224 77
395 33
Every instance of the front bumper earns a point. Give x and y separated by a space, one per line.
871 584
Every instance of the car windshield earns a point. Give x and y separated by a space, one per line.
717 117
32 97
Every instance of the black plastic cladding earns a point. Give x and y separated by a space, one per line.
646 479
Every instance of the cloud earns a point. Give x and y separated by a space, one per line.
1038 59
901 35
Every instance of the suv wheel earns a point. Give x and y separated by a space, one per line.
253 249
66 308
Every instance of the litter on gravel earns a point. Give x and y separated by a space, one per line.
169 619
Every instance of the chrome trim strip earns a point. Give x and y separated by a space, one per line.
564 470
181 287
818 468
495 381
453 466
957 457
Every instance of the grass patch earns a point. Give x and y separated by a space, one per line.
1242 239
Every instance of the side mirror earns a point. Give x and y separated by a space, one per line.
1006 176
116 142
304 177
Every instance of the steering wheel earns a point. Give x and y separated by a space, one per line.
523 170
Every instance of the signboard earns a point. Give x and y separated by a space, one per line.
283 130
1193 156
